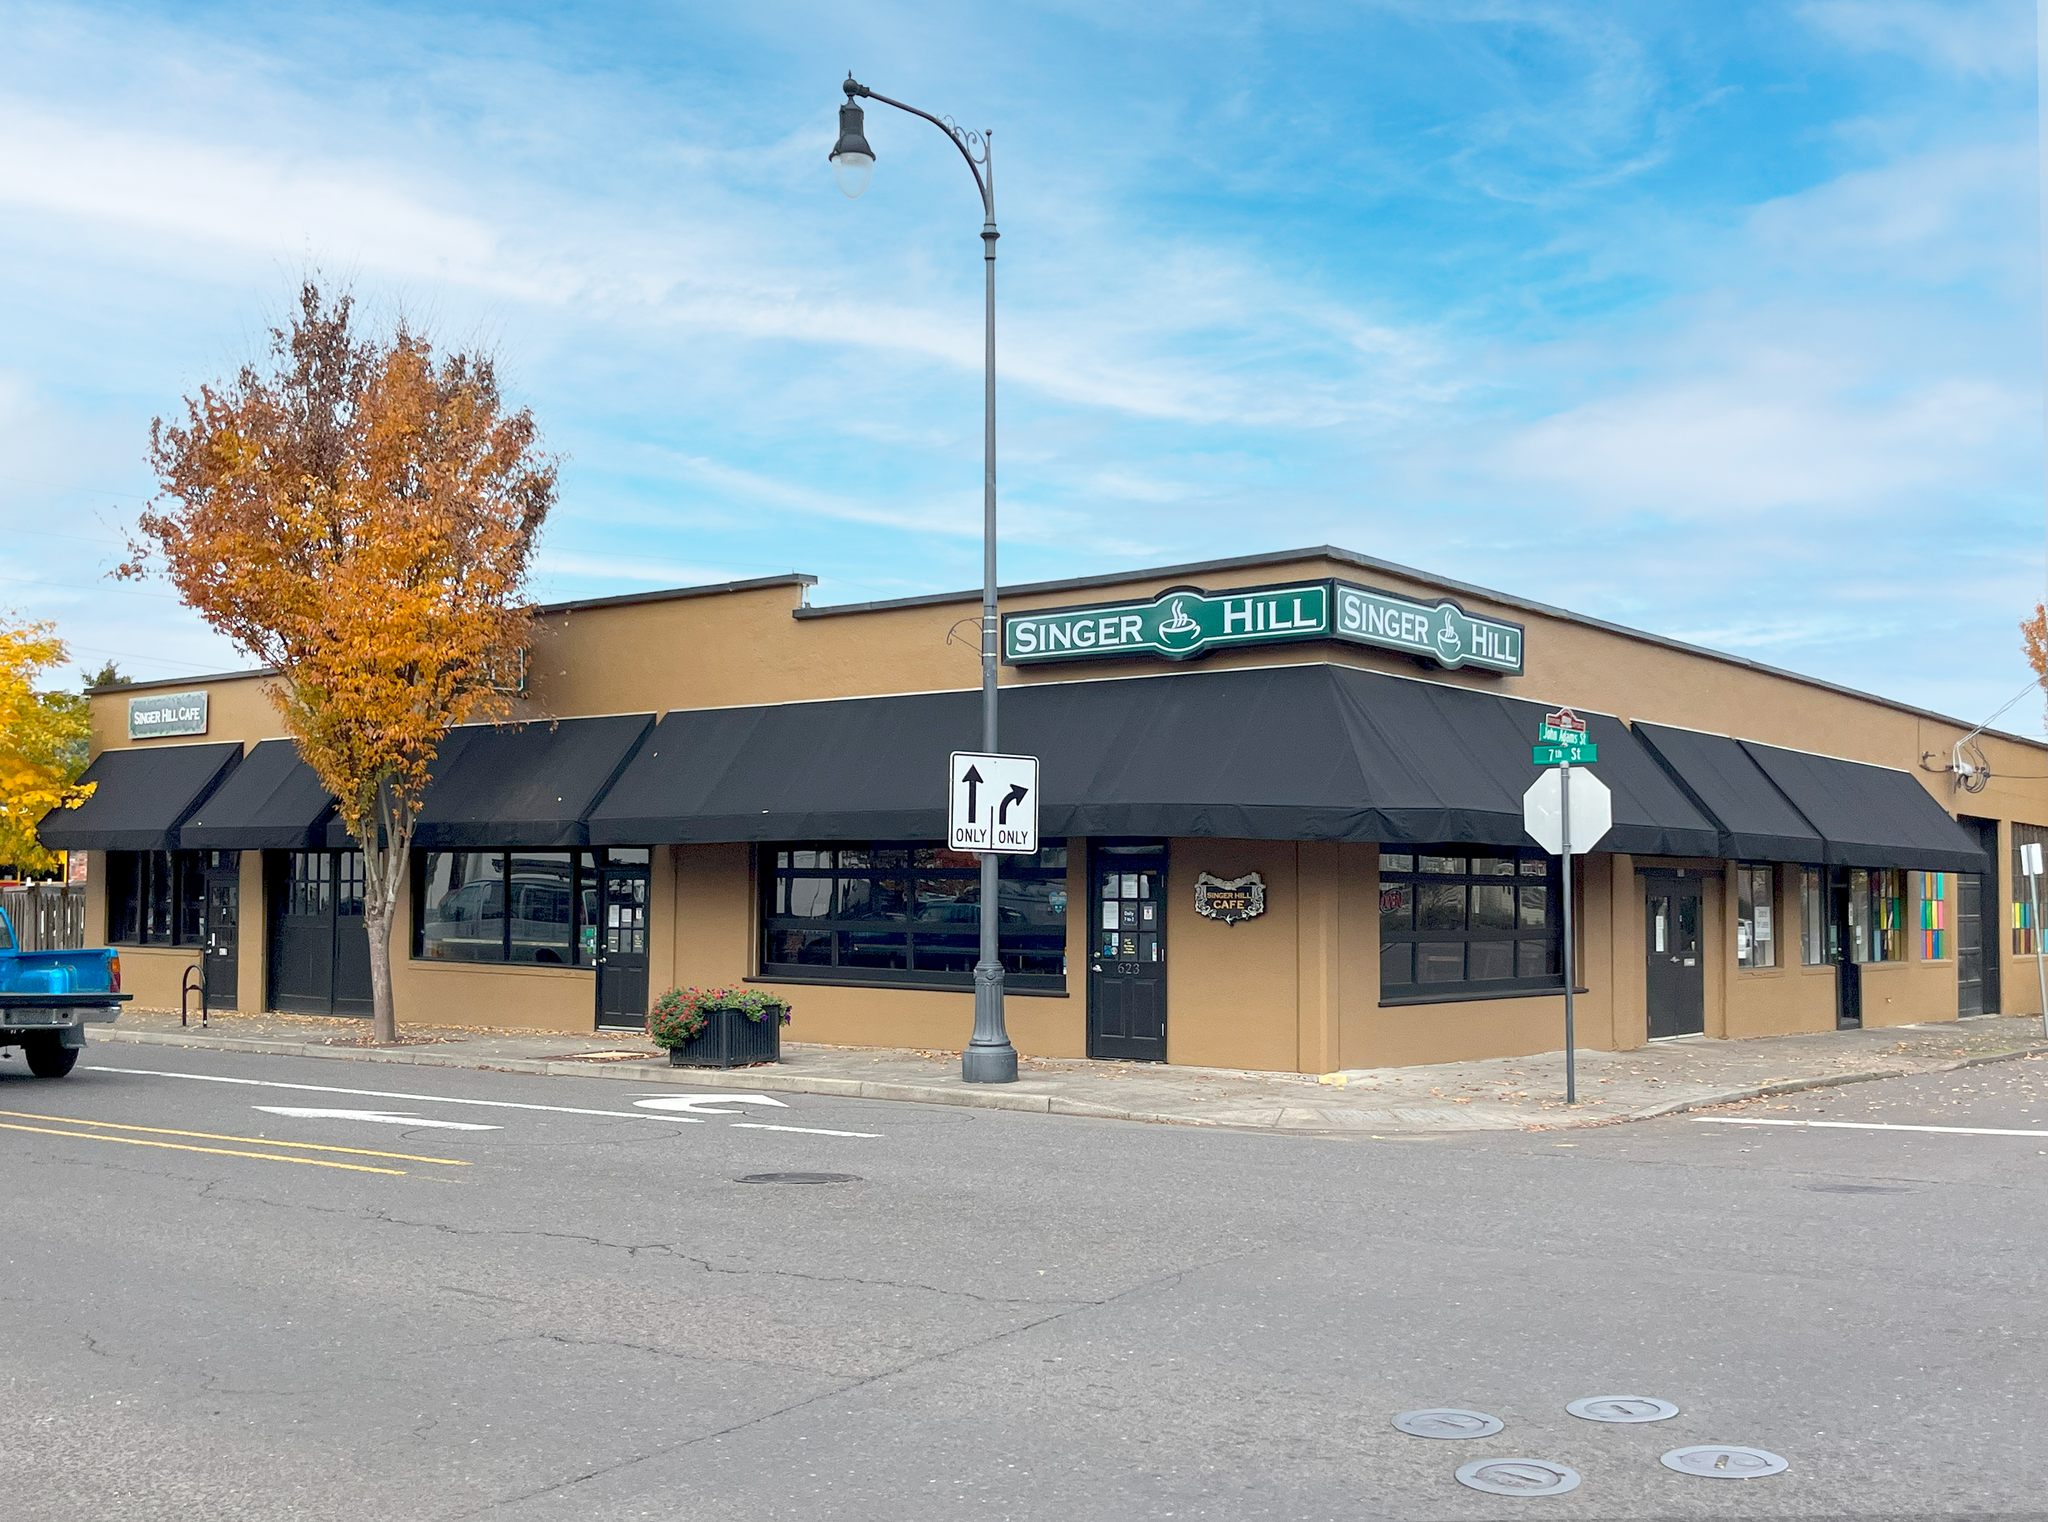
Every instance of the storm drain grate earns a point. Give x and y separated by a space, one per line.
1447 1421
1519 1477
799 1178
1721 1461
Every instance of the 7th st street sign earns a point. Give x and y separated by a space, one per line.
992 803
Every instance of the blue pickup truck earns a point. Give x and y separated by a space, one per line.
47 998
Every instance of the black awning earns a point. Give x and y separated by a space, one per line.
1312 752
273 801
1757 823
1870 816
524 786
140 798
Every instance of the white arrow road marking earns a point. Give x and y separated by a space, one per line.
655 1109
1860 1125
694 1103
755 1125
376 1117
439 1099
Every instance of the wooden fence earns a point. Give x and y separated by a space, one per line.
47 916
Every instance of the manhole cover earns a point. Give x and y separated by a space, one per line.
800 1178
1519 1477
1623 1408
1719 1461
1447 1421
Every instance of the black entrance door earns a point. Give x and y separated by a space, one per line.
1842 952
319 954
621 958
1675 969
1127 961
223 921
1977 924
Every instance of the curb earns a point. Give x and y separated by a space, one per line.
1835 1081
758 1079
764 1080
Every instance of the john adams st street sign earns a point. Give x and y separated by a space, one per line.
1184 622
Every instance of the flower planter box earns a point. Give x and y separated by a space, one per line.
730 1040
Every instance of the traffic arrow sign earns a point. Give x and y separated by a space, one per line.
992 803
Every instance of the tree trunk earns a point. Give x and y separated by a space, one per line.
386 844
383 1013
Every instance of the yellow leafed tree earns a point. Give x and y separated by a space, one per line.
42 742
358 516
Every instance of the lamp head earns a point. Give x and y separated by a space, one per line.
853 161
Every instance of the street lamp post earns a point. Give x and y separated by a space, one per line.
989 1057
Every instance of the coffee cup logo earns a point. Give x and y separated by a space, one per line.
1179 625
1450 639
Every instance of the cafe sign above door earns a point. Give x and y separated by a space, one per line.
1184 622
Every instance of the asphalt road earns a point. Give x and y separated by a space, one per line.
584 1312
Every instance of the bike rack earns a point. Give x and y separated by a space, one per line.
186 990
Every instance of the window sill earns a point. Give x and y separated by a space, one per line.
905 985
1474 996
524 968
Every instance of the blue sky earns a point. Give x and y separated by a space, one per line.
1718 319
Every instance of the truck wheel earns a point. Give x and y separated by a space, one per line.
46 1059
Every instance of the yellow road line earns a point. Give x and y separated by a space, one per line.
269 1157
261 1141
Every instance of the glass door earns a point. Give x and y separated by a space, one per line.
621 938
1674 969
222 968
1127 951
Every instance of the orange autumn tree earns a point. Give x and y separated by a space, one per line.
358 515
2034 640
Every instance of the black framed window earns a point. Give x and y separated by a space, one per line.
538 908
158 898
1469 922
908 914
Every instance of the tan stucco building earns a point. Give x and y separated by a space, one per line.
721 784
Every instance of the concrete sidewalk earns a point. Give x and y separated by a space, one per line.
1494 1094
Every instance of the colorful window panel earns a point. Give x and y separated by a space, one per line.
2025 942
1933 916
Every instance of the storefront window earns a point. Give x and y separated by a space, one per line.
1814 925
2025 934
1756 943
531 907
543 900
1877 915
1933 916
158 898
909 913
1468 922
461 899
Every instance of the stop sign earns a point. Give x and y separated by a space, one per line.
1592 811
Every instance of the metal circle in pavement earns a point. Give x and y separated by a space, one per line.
799 1178
1519 1477
1448 1421
1623 1408
1725 1461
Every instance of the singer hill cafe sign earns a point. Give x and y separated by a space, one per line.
1183 622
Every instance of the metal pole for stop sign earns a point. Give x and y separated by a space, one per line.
1564 801
2030 865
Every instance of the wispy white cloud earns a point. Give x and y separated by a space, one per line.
1967 37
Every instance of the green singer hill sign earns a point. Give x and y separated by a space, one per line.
1185 621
